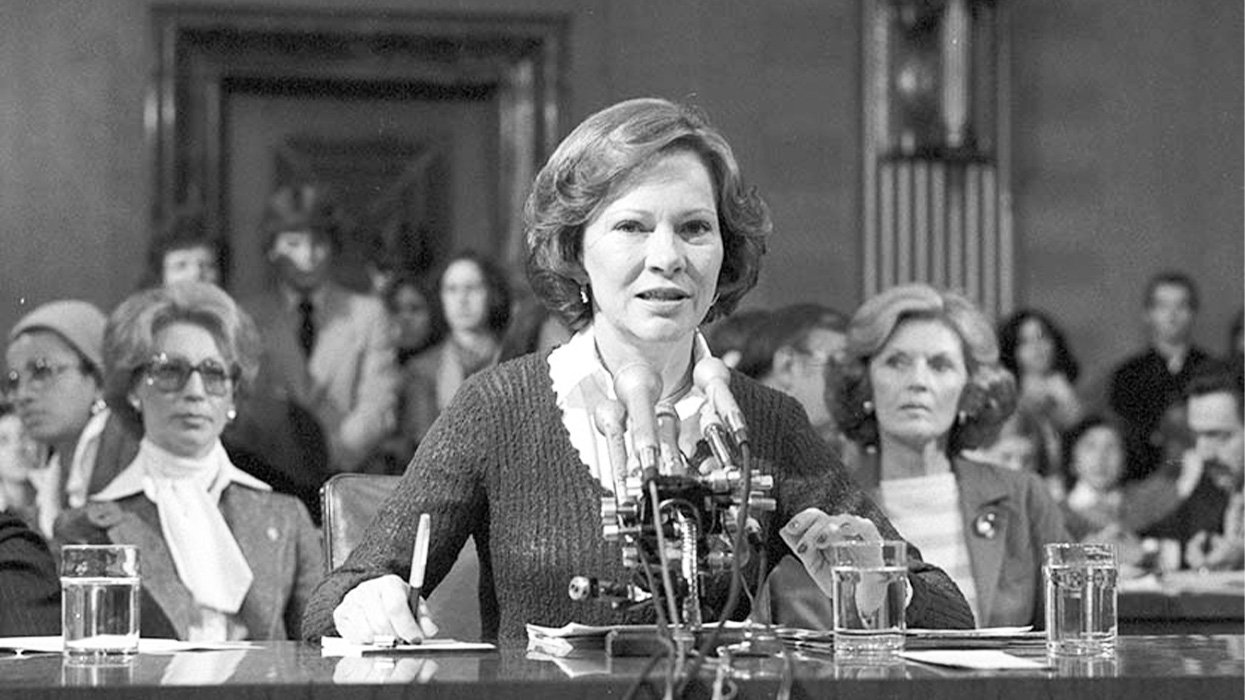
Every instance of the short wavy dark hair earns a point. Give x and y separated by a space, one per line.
496 285
1063 362
988 398
129 337
596 161
183 231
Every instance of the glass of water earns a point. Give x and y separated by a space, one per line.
99 600
869 590
1080 599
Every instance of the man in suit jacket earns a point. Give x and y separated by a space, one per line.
329 348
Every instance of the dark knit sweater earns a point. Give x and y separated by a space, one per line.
498 465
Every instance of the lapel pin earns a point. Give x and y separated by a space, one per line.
986 525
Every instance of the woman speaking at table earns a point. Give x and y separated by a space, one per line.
639 228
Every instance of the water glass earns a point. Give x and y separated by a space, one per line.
869 587
99 600
1080 599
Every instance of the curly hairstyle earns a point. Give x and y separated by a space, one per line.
1009 339
183 231
596 163
988 398
497 289
129 338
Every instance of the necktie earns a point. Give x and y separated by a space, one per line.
307 325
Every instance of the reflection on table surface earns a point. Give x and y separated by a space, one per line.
1183 602
1202 666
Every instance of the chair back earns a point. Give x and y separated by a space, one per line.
351 501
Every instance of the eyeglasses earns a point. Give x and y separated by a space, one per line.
171 374
37 375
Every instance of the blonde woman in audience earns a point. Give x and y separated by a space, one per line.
223 556
55 383
919 383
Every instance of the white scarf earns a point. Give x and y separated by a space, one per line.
46 481
187 493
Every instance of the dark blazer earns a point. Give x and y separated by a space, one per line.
273 530
30 593
1008 517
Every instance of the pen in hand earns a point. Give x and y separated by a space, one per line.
419 562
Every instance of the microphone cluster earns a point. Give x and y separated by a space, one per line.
683 521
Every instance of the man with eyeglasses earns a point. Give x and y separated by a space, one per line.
53 379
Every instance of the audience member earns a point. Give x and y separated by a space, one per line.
921 382
1145 385
1033 348
409 303
1096 460
55 383
473 305
17 459
273 438
184 250
30 592
330 349
223 557
728 336
790 351
1217 525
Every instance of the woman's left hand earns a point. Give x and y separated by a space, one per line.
811 533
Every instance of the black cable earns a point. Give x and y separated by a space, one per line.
736 582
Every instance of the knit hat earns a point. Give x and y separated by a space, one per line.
80 323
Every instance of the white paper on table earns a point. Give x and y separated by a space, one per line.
56 644
575 629
336 646
976 659
981 632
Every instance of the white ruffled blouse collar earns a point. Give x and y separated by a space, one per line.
581 382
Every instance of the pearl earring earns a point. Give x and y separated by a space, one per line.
867 406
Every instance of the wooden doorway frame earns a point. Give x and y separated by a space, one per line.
199 49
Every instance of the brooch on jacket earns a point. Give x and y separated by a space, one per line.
986 524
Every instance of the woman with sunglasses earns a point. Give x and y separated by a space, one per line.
224 557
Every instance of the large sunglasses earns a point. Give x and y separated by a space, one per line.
171 374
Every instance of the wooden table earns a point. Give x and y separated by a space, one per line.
1202 667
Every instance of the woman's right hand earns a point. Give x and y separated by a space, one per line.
379 607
